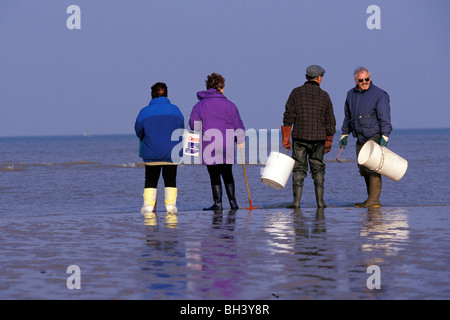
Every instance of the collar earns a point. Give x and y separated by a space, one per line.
370 87
159 100
313 83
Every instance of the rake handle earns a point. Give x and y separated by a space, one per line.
339 154
246 181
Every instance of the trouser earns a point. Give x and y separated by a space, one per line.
220 170
224 171
308 151
169 173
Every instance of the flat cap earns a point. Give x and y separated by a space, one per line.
314 71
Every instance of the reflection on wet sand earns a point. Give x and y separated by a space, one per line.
214 264
286 229
263 254
267 254
386 231
151 219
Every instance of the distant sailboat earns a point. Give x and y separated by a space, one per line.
86 133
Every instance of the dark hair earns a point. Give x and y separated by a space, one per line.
159 89
215 81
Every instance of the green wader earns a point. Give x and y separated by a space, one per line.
303 152
372 179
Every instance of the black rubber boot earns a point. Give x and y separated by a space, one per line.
374 191
319 180
319 197
367 181
229 188
297 192
217 197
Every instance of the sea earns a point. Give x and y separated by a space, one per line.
71 227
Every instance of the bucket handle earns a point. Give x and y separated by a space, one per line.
380 165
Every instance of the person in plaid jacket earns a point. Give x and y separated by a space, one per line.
310 110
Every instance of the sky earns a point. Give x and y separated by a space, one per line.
59 80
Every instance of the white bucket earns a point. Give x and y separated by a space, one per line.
382 160
277 170
191 143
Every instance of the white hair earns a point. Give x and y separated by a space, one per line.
359 70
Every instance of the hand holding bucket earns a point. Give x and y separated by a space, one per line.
191 143
286 137
277 170
279 166
382 160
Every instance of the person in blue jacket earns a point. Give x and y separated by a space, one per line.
154 126
367 117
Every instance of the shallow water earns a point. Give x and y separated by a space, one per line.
92 175
259 254
76 200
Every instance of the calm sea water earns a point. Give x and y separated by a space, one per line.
76 200
103 174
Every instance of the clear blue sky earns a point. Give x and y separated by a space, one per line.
57 81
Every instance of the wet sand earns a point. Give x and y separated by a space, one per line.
264 254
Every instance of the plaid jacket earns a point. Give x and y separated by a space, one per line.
310 110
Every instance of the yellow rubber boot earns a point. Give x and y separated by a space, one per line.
149 200
170 199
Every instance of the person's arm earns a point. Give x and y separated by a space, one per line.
384 115
195 119
290 113
138 128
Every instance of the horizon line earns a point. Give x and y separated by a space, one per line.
132 133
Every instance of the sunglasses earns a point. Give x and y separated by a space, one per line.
361 80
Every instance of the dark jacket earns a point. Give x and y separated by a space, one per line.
367 113
310 110
154 126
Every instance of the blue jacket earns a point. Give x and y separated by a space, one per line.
154 126
367 113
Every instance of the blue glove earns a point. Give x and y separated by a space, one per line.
384 141
343 141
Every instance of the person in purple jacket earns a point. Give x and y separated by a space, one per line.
221 126
367 117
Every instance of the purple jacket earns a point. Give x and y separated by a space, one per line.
220 124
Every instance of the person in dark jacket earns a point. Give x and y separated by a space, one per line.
367 117
154 127
310 110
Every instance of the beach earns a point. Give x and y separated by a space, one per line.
71 228
263 254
